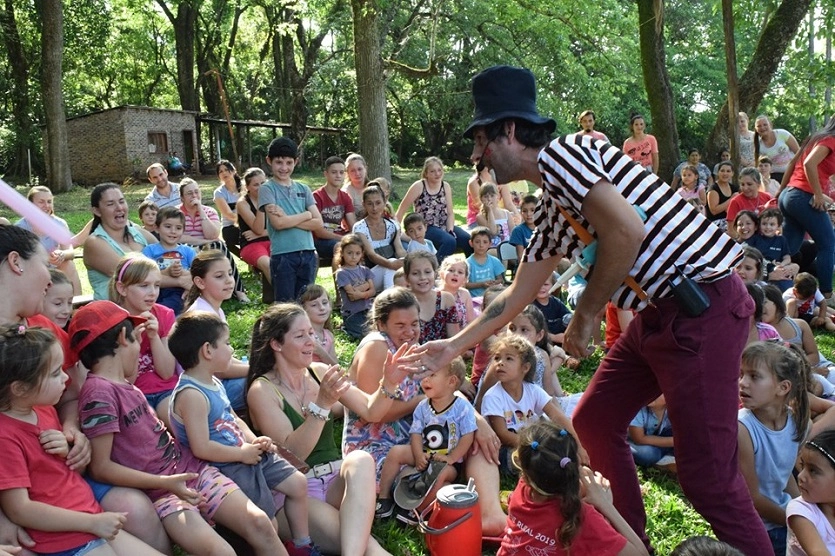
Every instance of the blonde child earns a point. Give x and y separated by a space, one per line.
61 256
204 422
212 284
38 490
57 303
440 409
317 305
132 447
515 401
439 318
772 422
495 219
811 524
355 284
454 274
691 188
134 287
559 506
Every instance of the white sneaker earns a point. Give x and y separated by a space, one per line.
665 461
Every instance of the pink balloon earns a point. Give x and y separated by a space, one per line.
39 220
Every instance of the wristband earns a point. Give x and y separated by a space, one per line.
318 412
396 395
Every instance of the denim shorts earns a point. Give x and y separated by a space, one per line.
79 550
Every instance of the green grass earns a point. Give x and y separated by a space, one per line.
670 517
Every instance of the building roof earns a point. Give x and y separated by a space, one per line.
132 107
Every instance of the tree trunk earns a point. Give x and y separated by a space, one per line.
23 126
754 83
371 88
733 84
184 23
657 84
58 175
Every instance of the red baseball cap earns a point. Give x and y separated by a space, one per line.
96 318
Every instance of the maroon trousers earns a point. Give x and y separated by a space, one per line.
694 362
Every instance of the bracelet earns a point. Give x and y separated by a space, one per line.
318 412
396 395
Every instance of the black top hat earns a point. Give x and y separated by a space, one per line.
505 92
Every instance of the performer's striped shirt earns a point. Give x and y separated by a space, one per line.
677 235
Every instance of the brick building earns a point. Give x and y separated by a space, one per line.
121 142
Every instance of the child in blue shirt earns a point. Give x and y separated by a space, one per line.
173 259
443 427
204 422
485 270
774 247
521 235
292 217
651 435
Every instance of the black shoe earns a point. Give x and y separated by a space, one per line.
385 507
406 516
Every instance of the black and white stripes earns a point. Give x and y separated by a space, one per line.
677 235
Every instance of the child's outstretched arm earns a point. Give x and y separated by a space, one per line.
43 517
596 492
808 536
104 469
193 409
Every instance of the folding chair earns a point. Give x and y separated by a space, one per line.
507 254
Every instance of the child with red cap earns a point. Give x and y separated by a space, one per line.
131 446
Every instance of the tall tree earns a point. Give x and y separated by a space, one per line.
297 56
371 87
23 126
782 26
657 83
184 24
58 174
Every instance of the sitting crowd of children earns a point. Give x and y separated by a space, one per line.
160 402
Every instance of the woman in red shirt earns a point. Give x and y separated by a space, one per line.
804 198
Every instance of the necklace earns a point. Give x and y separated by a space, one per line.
299 400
